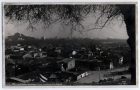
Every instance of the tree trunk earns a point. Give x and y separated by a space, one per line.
129 19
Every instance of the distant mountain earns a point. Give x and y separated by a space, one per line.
27 40
18 37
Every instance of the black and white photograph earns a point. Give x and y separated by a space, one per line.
69 44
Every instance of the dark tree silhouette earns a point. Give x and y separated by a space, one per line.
73 15
128 12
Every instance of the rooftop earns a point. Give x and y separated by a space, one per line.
66 60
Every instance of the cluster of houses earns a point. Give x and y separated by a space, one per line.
69 67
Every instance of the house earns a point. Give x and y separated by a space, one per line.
40 54
27 56
43 54
58 50
35 55
29 47
67 64
90 54
18 45
15 48
21 49
81 75
78 73
121 60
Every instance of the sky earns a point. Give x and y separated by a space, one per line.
115 29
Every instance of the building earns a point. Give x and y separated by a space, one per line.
58 50
121 60
67 64
39 54
27 56
81 75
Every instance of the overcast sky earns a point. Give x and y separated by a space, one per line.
116 29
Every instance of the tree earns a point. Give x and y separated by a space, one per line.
129 19
73 15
